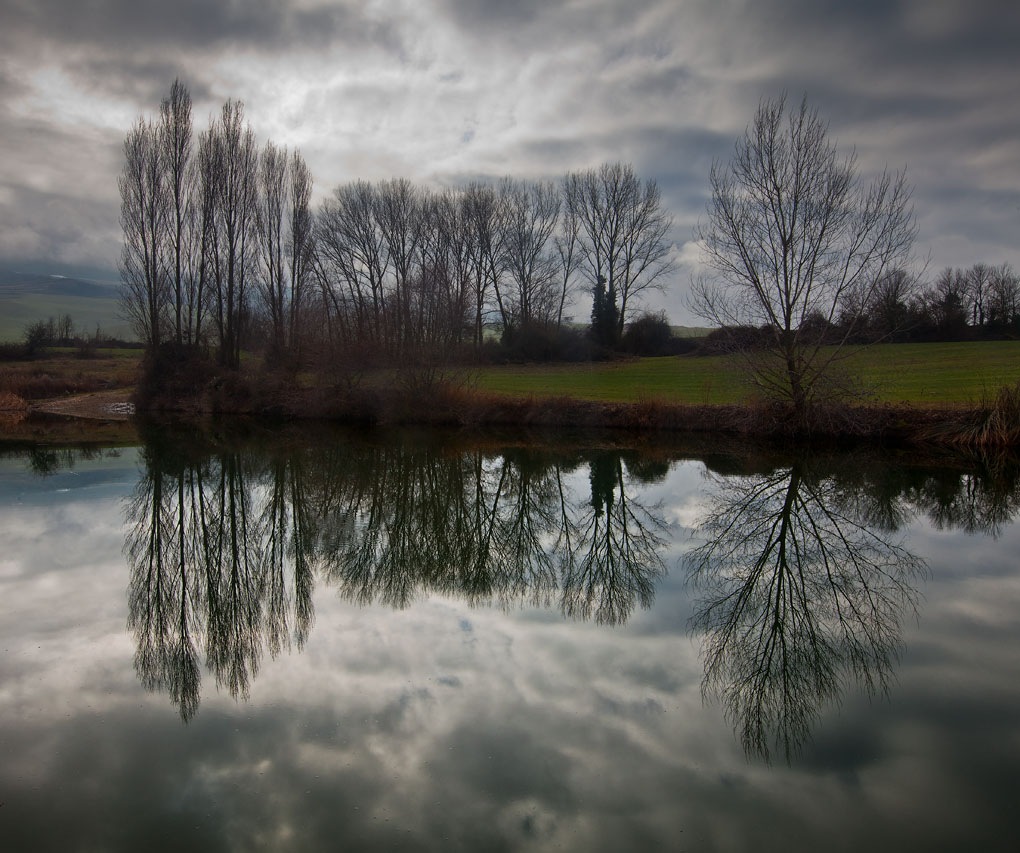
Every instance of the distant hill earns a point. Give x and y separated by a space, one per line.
691 331
28 297
17 283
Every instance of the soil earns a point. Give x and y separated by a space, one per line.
100 405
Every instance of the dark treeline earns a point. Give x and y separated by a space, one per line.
223 252
40 336
979 303
63 332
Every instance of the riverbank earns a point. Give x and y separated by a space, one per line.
458 406
454 400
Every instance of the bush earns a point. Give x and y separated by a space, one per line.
539 342
173 372
735 339
651 335
12 352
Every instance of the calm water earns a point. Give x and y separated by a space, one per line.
407 643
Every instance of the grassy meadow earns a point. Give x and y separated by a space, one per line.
62 373
918 374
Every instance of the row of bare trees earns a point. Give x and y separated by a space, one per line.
207 227
402 264
220 239
984 298
982 301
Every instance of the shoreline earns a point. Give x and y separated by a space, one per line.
103 416
995 425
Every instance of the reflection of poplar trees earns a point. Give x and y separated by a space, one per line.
209 544
164 588
223 549
800 597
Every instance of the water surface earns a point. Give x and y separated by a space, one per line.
408 642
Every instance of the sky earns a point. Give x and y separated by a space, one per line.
446 91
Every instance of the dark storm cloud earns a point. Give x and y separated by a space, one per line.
58 198
62 228
491 15
516 26
194 25
133 48
136 79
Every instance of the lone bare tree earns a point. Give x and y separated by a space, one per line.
794 239
623 234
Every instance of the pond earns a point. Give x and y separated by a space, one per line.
416 641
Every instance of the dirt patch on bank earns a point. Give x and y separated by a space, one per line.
101 405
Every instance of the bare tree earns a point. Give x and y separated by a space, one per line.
352 255
624 232
204 225
301 242
531 212
945 304
175 141
485 220
453 254
233 162
143 215
888 310
568 252
979 283
794 233
273 203
398 214
1004 303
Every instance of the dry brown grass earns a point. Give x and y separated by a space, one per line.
994 425
61 375
11 403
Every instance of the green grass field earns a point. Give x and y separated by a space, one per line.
921 374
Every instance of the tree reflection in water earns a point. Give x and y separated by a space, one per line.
802 583
225 547
800 593
215 546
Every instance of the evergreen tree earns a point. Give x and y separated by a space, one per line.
604 314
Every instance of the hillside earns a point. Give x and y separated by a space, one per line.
27 297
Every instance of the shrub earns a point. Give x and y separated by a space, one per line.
12 352
540 342
734 339
651 335
173 372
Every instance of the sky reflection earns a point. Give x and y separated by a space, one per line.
452 725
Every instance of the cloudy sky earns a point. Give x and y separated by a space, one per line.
441 91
